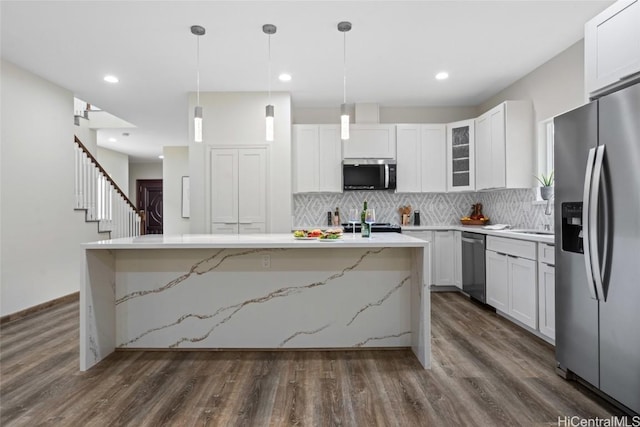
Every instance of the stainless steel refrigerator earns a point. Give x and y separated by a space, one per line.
597 222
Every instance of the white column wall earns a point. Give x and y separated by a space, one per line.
237 119
40 231
175 165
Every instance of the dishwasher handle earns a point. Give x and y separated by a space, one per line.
473 241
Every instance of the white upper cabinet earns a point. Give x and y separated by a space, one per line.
317 159
612 45
504 149
460 156
421 158
370 141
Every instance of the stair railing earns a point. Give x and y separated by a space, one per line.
101 198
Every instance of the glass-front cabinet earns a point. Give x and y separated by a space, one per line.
460 156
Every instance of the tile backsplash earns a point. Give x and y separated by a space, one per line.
512 207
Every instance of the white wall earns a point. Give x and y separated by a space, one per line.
175 165
87 136
117 166
388 115
151 170
41 233
554 87
237 119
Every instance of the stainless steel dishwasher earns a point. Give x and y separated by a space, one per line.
473 268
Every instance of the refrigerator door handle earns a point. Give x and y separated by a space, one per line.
593 226
586 222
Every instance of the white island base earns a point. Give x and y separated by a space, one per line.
254 292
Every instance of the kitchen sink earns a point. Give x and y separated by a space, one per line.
531 231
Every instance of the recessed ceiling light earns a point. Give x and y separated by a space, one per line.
112 140
111 79
161 156
442 75
284 77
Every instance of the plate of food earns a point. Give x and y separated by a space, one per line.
307 234
331 234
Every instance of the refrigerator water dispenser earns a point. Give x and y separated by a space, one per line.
572 227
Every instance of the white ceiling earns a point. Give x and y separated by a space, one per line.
393 52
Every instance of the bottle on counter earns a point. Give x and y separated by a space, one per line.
336 218
329 218
364 227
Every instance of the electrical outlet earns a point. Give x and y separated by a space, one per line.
266 261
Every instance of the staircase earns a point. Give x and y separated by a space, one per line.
101 198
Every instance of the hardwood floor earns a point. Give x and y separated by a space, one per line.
486 372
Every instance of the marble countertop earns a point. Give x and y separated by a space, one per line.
284 240
543 238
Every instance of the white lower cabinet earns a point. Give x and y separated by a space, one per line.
497 280
443 258
457 259
427 236
511 278
546 291
238 190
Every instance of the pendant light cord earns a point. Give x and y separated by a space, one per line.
198 70
344 69
269 68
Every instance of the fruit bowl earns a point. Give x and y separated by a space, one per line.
470 221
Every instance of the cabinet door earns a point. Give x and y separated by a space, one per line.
371 141
329 159
409 159
444 258
252 186
224 186
547 300
434 158
483 152
224 228
306 139
497 281
457 252
460 156
612 45
490 149
523 295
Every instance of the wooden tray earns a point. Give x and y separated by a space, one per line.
474 221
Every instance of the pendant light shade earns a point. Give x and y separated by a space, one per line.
269 29
344 122
269 118
197 31
344 27
197 124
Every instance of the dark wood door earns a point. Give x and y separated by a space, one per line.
150 201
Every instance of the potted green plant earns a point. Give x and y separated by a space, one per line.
546 191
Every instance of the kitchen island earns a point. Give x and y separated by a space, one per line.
260 291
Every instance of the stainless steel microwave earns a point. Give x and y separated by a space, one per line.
369 174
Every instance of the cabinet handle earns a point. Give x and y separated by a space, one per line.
511 256
502 253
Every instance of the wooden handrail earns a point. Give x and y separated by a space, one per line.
106 175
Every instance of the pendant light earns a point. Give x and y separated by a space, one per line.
197 31
343 27
269 29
